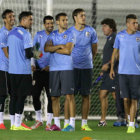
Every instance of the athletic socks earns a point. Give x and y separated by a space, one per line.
49 118
1 117
17 120
84 122
12 118
72 122
57 121
39 115
128 117
66 121
131 124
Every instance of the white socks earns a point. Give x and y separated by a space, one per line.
72 122
39 115
49 118
57 121
66 121
84 122
1 117
12 118
17 120
131 124
128 117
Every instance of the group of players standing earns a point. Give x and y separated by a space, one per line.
65 68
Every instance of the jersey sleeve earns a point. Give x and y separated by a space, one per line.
3 40
71 38
35 40
94 37
117 42
28 41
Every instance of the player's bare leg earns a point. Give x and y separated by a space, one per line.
127 108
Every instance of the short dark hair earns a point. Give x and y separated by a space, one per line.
24 14
76 12
5 12
57 17
130 16
47 18
111 23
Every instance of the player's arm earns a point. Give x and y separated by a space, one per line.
114 57
49 47
94 50
5 50
3 44
67 49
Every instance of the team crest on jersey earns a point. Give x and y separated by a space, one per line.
87 34
65 36
137 39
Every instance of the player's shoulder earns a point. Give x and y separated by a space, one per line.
4 31
87 27
138 33
121 33
41 33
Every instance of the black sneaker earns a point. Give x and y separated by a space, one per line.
102 123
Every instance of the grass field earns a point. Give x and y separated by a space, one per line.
99 133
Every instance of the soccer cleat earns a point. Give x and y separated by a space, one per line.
37 124
119 123
136 125
102 123
24 125
131 129
65 125
86 128
69 128
11 128
53 128
20 128
48 127
2 126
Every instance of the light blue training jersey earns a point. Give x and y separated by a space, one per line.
19 39
129 52
82 51
3 44
60 62
41 38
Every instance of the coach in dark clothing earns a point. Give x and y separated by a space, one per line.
109 85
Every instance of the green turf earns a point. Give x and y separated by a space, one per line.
99 133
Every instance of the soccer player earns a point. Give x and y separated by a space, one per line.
9 20
83 54
127 45
60 44
108 85
20 51
41 73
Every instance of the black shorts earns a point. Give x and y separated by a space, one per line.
82 81
40 80
129 86
4 83
109 84
21 84
61 82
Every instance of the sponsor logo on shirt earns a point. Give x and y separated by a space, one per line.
87 34
110 38
20 32
65 36
137 39
113 88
